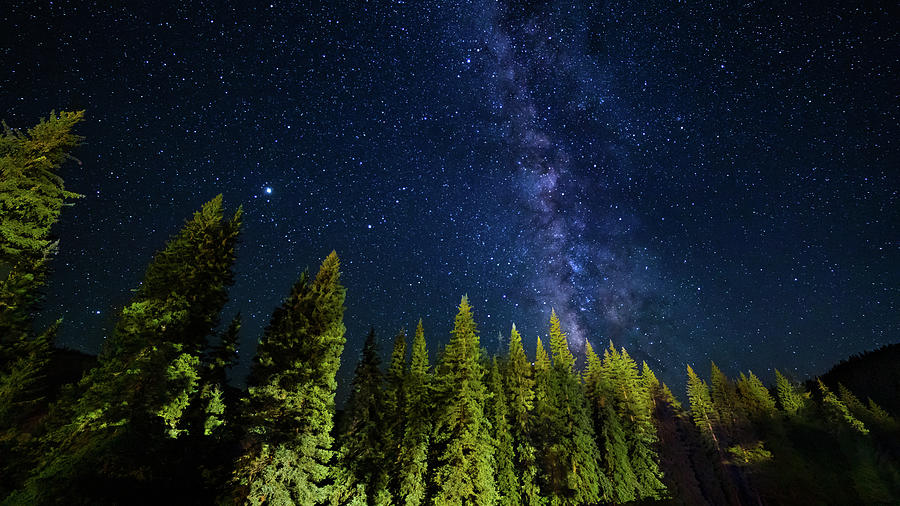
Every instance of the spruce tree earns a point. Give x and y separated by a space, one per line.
393 406
702 410
413 457
148 373
573 475
837 413
360 469
791 398
600 379
464 468
520 392
292 384
32 195
508 487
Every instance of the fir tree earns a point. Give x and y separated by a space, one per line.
837 413
361 468
508 487
702 410
291 395
520 390
413 457
573 475
791 398
394 406
464 469
148 373
32 194
755 397
600 388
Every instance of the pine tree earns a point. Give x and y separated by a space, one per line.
755 397
413 457
791 398
393 409
148 373
837 413
600 378
508 488
520 390
291 395
464 469
702 409
573 475
32 194
361 468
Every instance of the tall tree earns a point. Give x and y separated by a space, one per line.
791 398
464 469
573 474
508 488
600 379
361 464
149 371
32 194
393 406
291 395
520 391
702 410
413 457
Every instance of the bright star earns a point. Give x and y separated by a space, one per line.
268 190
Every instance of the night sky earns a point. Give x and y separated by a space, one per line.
693 181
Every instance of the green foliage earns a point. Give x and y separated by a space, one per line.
508 487
837 412
362 457
464 467
413 456
571 472
702 409
519 383
752 455
32 194
290 412
791 398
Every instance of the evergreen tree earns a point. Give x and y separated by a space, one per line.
361 471
791 398
702 410
573 475
394 406
147 375
32 195
508 488
837 413
291 395
520 390
755 398
413 457
464 470
599 385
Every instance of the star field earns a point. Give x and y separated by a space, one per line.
694 181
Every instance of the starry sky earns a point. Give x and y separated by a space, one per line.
694 180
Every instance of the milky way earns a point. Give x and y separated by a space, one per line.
694 181
587 267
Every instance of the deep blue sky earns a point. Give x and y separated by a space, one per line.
694 181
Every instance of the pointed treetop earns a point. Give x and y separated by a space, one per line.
541 360
559 345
